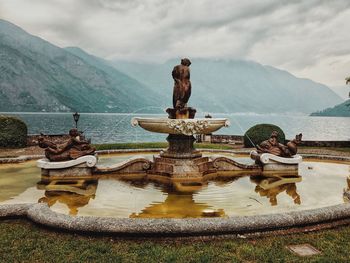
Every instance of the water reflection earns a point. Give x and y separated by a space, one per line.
179 201
73 194
272 187
179 205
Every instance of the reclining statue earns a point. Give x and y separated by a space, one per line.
272 146
72 149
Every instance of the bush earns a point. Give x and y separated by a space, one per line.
13 132
260 133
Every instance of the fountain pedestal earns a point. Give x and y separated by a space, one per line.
181 168
185 113
181 147
181 159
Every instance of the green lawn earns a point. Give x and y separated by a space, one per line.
340 149
25 242
152 145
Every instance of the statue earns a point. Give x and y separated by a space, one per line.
73 148
270 146
274 147
182 84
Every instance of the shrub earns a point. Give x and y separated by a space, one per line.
13 132
260 133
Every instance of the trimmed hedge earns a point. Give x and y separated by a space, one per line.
260 133
13 132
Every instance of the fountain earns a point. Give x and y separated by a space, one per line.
181 160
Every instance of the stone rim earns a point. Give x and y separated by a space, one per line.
181 126
42 214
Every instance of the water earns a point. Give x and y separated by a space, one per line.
322 184
115 127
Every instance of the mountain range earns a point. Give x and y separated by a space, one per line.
340 110
36 75
342 91
237 86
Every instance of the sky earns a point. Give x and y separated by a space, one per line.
309 38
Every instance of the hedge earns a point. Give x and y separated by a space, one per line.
13 132
261 132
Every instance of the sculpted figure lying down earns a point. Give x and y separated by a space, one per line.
71 149
274 147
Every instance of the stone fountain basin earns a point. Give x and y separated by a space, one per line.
181 126
281 221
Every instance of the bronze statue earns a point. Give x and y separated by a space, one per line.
274 147
182 84
73 148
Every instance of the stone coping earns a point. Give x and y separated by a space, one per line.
42 214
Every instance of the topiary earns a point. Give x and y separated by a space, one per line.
261 132
13 132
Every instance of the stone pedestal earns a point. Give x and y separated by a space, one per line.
79 168
181 147
185 113
181 168
272 163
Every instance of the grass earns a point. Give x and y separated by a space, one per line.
153 145
340 149
25 242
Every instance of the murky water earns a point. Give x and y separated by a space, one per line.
321 184
114 127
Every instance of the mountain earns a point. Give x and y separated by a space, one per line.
341 110
236 86
38 76
342 91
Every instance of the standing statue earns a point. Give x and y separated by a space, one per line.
274 147
73 148
182 84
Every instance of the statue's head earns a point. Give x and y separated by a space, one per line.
298 137
185 62
73 132
274 134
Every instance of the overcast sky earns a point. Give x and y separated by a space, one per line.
309 38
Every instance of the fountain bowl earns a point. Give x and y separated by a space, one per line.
181 126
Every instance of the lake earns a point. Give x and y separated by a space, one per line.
116 127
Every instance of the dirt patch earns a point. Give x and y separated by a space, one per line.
32 150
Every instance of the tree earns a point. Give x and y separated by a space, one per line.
347 80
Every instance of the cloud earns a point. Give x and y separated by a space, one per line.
304 37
